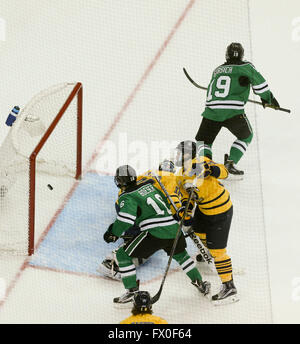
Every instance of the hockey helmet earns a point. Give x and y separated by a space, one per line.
234 52
167 166
125 176
186 150
142 301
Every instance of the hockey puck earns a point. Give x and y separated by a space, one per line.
50 187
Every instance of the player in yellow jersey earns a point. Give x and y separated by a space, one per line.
211 208
142 311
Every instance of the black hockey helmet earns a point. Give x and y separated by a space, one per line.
234 52
187 150
167 166
142 302
125 176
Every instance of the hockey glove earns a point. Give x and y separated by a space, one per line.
211 170
190 187
274 103
109 236
215 171
188 220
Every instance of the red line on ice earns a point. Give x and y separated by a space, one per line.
101 143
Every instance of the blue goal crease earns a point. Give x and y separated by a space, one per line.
75 241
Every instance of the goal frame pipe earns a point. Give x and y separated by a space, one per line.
77 91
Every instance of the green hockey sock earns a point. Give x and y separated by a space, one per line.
127 269
239 148
188 265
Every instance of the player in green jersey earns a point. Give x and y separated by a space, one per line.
145 206
227 94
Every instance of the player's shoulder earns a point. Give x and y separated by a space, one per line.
248 64
142 178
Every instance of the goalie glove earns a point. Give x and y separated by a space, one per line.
109 236
12 116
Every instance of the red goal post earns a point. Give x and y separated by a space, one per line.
45 140
76 92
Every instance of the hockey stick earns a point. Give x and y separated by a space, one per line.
156 297
250 101
202 249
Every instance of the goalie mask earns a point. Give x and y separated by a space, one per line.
186 150
125 176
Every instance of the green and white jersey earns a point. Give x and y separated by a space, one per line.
226 97
147 207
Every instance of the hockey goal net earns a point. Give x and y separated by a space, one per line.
45 140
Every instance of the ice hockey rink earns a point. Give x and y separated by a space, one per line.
129 55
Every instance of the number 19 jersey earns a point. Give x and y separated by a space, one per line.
228 93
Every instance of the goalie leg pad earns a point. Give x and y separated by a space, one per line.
109 268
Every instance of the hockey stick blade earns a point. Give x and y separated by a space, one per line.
249 100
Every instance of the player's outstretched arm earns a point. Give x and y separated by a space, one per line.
261 88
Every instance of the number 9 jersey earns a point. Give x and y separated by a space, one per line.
229 88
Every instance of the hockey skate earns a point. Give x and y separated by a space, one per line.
227 294
125 300
234 173
110 269
203 287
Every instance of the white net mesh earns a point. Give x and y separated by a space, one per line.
57 157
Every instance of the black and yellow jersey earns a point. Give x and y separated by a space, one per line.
143 319
213 198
